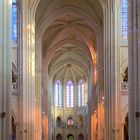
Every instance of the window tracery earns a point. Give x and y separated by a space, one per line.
124 20
70 93
81 97
124 84
14 20
58 93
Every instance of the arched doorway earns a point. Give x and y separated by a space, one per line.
70 137
126 136
58 122
13 129
80 137
59 137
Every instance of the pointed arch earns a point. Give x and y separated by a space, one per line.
80 121
70 93
59 137
70 137
80 136
58 93
81 95
58 121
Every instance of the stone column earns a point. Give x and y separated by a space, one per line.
100 87
5 69
111 71
134 68
30 89
100 106
107 65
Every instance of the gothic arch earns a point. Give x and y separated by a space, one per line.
124 77
80 121
35 3
57 46
70 137
126 128
123 68
14 115
14 68
58 121
80 136
70 122
38 45
73 10
125 112
48 22
59 137
14 125
63 63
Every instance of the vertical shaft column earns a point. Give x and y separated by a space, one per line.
107 65
111 71
5 69
30 100
100 79
134 68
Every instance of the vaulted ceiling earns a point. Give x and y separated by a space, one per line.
67 36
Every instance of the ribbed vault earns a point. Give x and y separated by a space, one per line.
69 34
66 41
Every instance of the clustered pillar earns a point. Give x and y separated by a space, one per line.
111 71
134 68
5 69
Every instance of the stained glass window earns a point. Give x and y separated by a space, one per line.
58 93
81 96
70 93
70 122
14 20
124 19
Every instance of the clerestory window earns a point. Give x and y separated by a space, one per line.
58 93
124 20
70 93
14 20
81 96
